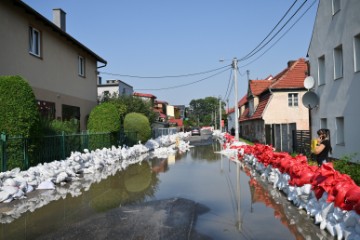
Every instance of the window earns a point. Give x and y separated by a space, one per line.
81 66
338 62
335 6
46 109
340 139
321 70
357 53
293 100
34 41
323 123
251 107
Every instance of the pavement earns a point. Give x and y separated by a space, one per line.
173 219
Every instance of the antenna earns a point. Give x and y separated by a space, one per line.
310 100
309 82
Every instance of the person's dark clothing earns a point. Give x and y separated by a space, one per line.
323 155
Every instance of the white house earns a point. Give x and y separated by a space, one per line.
112 87
334 56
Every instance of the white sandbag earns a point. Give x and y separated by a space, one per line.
61 177
4 196
46 185
10 189
330 228
327 208
318 218
350 219
339 230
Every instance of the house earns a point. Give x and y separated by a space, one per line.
114 87
334 56
147 97
160 108
61 71
181 109
272 108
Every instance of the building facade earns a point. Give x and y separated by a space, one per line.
334 56
272 108
61 71
114 87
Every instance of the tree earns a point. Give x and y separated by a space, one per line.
202 111
129 104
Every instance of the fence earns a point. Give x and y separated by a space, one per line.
164 131
17 151
302 141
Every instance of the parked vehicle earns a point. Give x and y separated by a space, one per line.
195 131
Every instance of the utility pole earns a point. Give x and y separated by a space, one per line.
220 115
235 67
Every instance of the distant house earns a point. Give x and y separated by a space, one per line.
160 108
272 108
334 56
61 71
147 97
181 109
114 87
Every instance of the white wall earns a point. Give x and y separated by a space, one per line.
340 97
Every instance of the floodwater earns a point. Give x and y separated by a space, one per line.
240 206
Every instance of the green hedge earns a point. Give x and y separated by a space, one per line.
104 118
19 116
18 109
139 123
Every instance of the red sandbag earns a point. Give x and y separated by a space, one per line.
352 199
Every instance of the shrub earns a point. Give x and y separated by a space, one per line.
18 109
139 123
19 118
344 165
68 127
104 118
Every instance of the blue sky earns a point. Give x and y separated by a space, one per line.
167 38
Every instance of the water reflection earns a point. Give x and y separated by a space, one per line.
241 205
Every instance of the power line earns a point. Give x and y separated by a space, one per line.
183 85
297 20
245 58
169 76
228 86
271 30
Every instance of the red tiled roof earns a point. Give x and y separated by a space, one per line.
146 95
179 122
242 101
231 110
263 101
291 77
259 86
159 101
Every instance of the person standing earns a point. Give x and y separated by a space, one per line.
323 146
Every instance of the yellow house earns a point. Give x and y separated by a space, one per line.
273 107
61 70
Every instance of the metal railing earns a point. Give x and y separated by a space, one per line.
163 131
17 151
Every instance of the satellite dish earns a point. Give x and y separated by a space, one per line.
309 82
310 100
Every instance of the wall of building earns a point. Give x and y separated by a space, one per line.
278 111
339 97
55 73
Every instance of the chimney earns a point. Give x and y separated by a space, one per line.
59 18
290 63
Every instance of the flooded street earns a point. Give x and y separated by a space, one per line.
238 206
